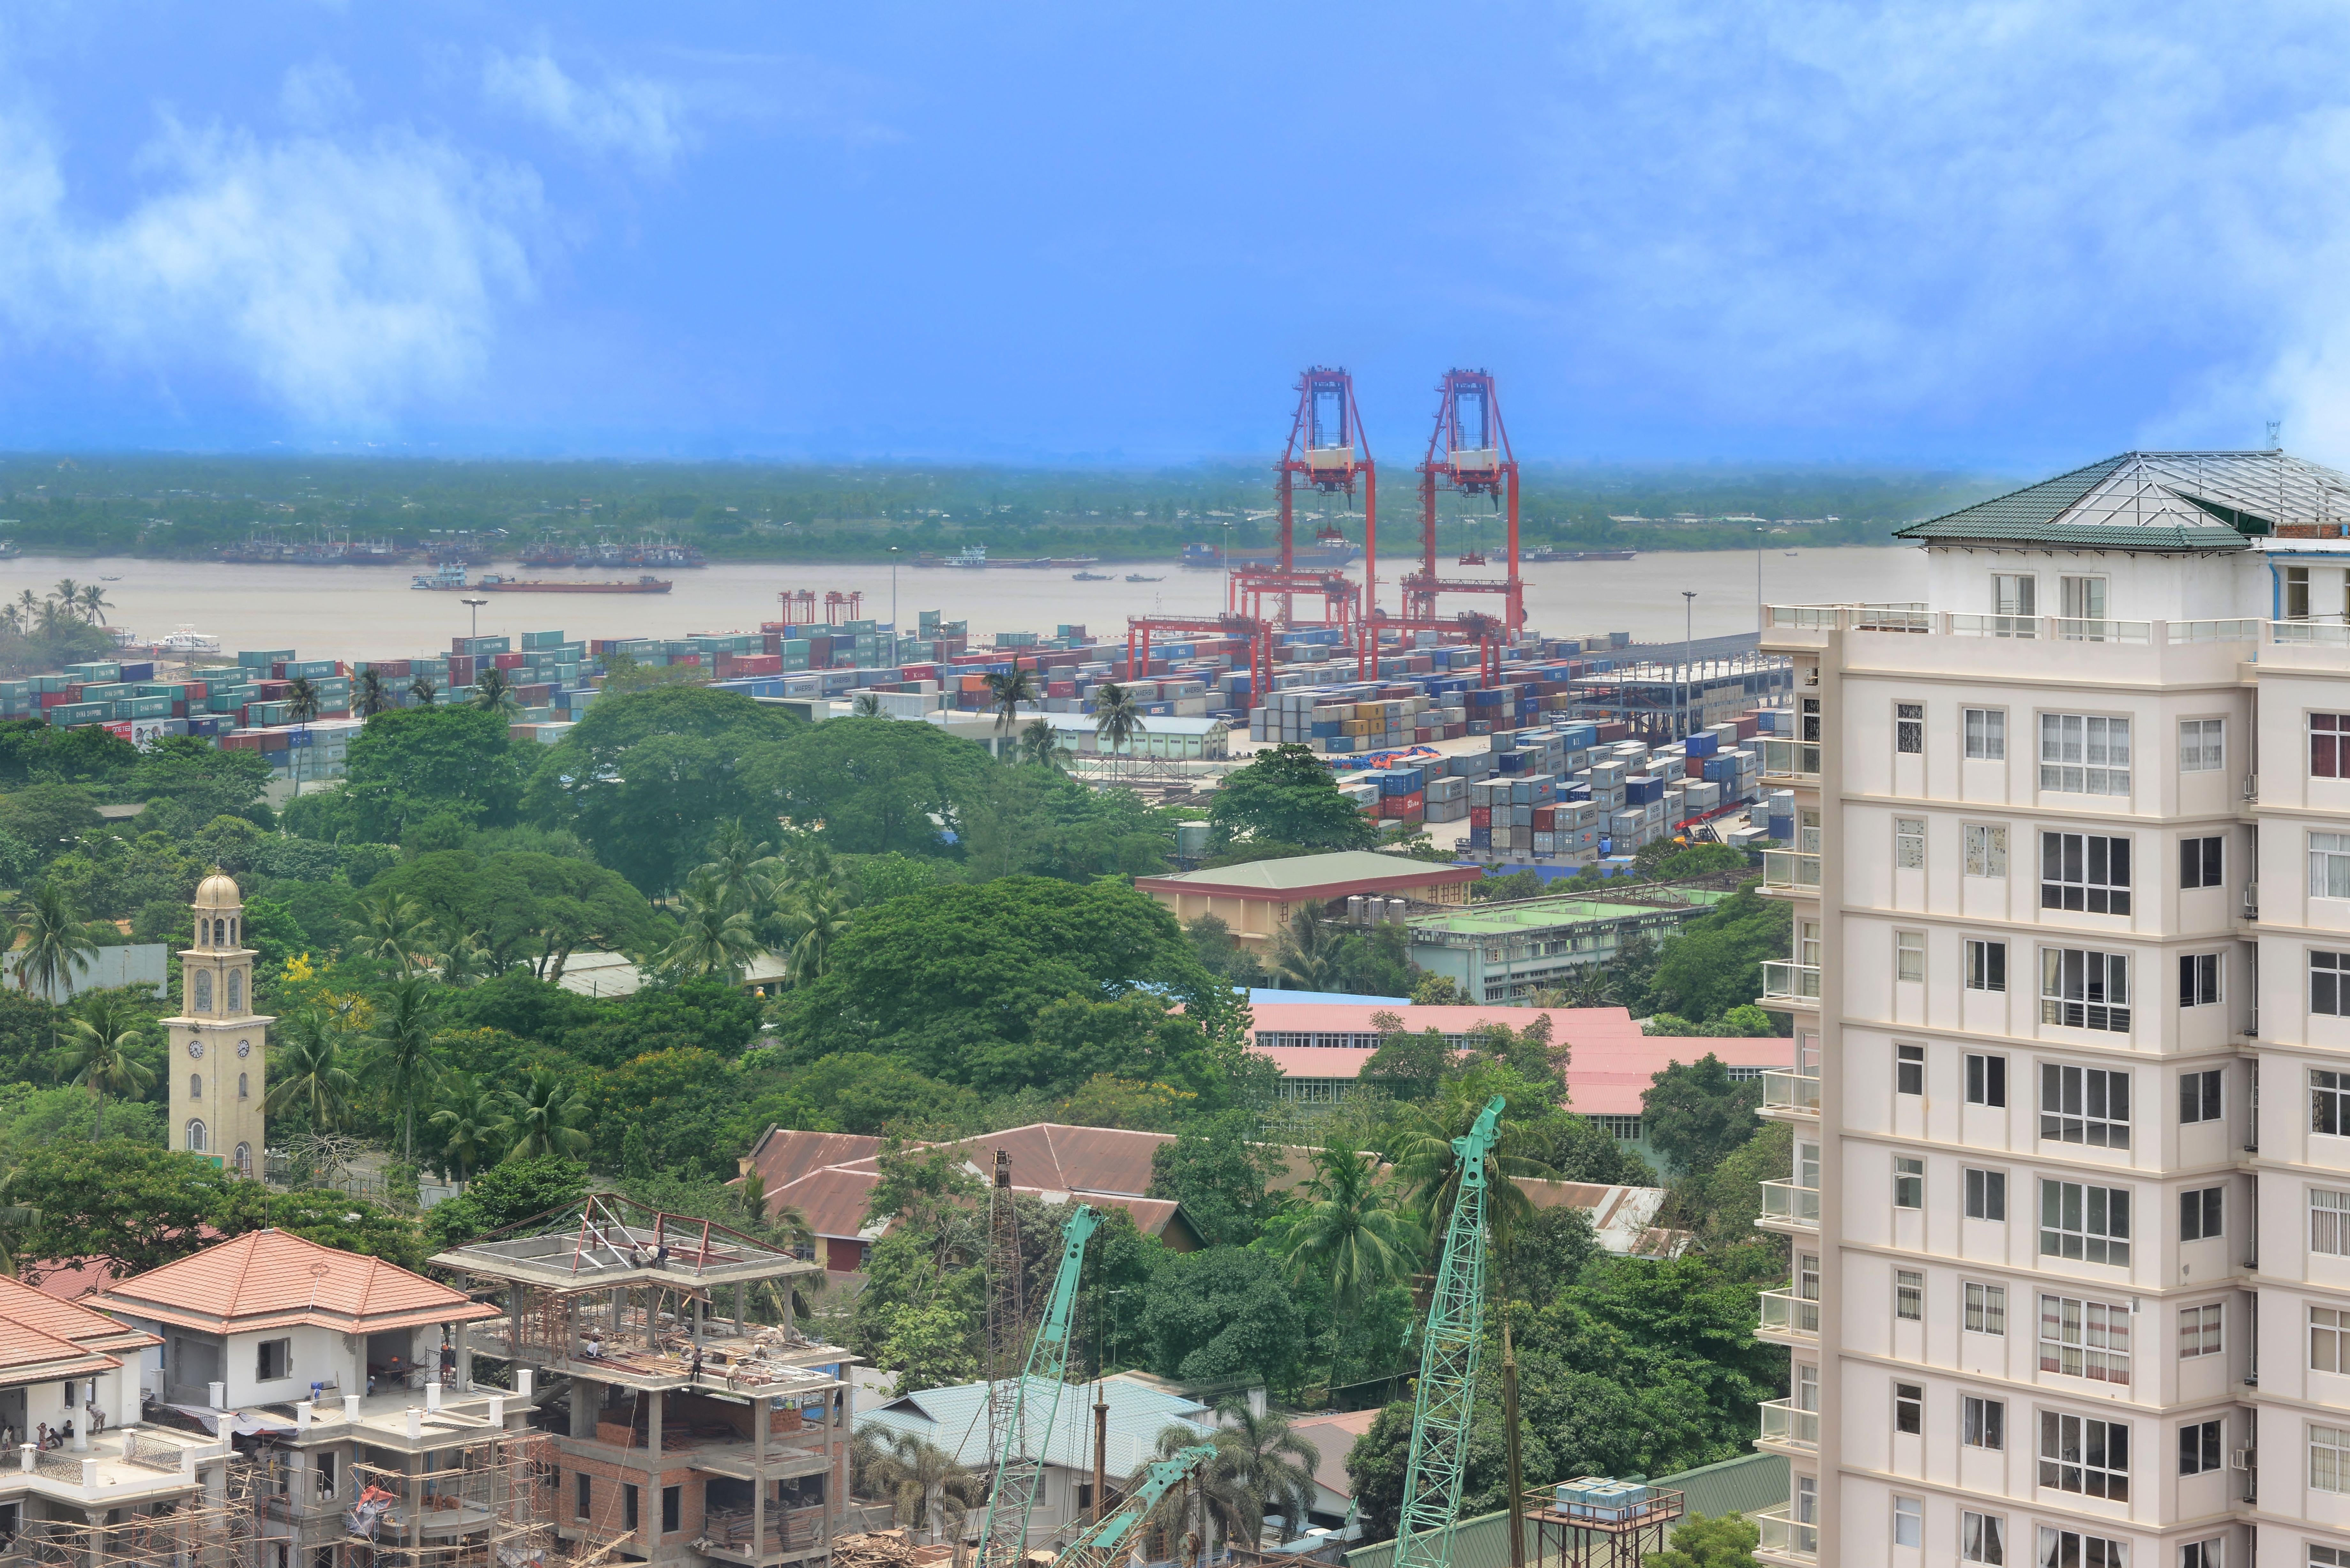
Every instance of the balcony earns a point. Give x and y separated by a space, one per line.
1795 983
1791 1205
1782 1423
1785 1312
1795 761
1788 1537
1790 871
1796 1094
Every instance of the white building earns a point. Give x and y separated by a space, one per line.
2073 888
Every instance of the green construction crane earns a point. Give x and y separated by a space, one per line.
1448 1365
1004 1538
1106 1540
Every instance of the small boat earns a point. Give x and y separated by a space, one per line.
109 579
1090 576
1139 577
1790 555
445 579
188 639
647 584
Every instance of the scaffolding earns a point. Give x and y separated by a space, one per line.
486 1510
212 1529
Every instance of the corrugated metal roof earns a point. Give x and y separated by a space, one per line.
955 1420
1298 873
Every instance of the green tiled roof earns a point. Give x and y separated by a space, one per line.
2022 512
2161 501
1960 526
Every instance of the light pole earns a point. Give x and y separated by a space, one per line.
894 633
1758 579
1689 642
477 604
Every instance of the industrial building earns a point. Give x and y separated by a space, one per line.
1506 951
1257 898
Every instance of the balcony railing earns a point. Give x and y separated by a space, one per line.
1794 982
1795 1205
1784 1534
1783 1091
1791 868
1791 759
1787 1312
1917 618
1782 1423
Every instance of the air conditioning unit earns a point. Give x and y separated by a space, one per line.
2241 1458
2251 786
2252 901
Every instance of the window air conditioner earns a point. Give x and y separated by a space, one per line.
2241 1458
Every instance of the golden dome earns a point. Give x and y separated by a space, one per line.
218 891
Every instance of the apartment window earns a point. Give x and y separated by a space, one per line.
1986 849
1987 1076
2329 865
2199 980
1982 1538
1986 966
1908 1408
2329 1459
1986 730
2199 1329
2084 598
2201 861
579 1495
2085 1339
629 1505
2089 1223
2329 745
2198 1213
2198 1447
2327 1349
2200 1553
2329 1102
1808 943
2329 983
2070 1549
2085 871
1908 1521
2202 747
2329 1221
673 1509
1910 727
1908 1069
1910 1294
2084 1105
1987 1195
2015 593
1986 1308
1982 1423
2083 753
2084 989
2199 1096
327 1473
2328 1556
2296 593
1909 843
1908 955
273 1360
1811 715
2085 1454
1909 1182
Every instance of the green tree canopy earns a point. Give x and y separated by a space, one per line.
1695 1112
874 784
410 763
1222 1172
1287 795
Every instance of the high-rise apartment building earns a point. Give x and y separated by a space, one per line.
2070 1202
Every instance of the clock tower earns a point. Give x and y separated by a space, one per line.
219 1045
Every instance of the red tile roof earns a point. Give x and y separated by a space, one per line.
29 1356
38 1309
271 1278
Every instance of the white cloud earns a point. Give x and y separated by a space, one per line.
345 280
317 94
633 118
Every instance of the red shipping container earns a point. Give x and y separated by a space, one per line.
1481 817
1693 768
510 661
1749 726
1546 818
921 672
461 669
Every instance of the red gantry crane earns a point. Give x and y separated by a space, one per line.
1469 454
1139 627
1326 449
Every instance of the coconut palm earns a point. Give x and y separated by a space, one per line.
66 595
867 706
466 1115
424 691
1350 1232
1118 717
543 1117
739 868
1041 746
391 929
822 914
1305 954
28 607
94 604
1422 1144
929 1487
371 693
1212 1502
460 958
102 1039
12 620
52 946
1269 1461
302 706
52 618
712 939
1006 692
15 1220
403 1048
311 1069
493 690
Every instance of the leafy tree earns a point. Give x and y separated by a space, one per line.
1438 990
410 763
525 906
878 788
1222 1174
330 1219
1726 1541
1744 1020
1695 1112
1546 1253
1286 796
1578 1149
506 1194
201 778
1228 1312
129 1207
865 1094
1221 953
1715 963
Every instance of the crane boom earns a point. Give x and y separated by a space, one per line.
1004 1538
1448 1364
1108 1540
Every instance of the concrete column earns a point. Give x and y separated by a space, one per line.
760 1417
653 1407
740 1296
465 1358
586 1397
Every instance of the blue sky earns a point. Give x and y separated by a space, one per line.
1997 235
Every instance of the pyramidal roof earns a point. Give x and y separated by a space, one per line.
265 1278
2167 500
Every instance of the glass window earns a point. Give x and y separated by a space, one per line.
2081 989
195 1137
1909 843
2296 593
1908 955
1908 1521
2198 1447
1811 716
2084 598
1986 1308
2326 1348
1910 727
2082 753
2199 980
1987 734
2329 1221
2328 1556
1908 1069
1986 1194
2070 1549
1986 966
2329 745
2201 861
2085 871
2198 1095
203 991
2199 1329
2329 865
2084 1105
2085 1454
1986 846
1982 1538
2329 1102
2329 1459
2089 1223
2201 745
1986 1078
2201 1554
1909 1182
2085 1338
2199 1211
1908 1408
1910 1294
2328 993
1982 1423
2015 593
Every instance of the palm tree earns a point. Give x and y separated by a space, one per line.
737 867
301 701
371 693
1040 745
1006 692
102 1039
402 1038
52 945
424 691
1350 1231
311 1070
28 607
822 914
543 1117
15 1219
462 959
1421 1143
1269 1461
12 620
391 929
66 595
52 619
929 1487
466 1117
867 706
1117 718
712 939
1213 1498
493 690
1305 954
93 603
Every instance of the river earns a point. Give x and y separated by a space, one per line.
372 612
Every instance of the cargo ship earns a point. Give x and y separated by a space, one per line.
973 558
1306 557
452 579
1547 554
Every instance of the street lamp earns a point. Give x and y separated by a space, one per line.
477 604
894 633
1689 643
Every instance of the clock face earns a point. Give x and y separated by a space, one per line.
244 1048
196 1047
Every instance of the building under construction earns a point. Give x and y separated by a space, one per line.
1687 692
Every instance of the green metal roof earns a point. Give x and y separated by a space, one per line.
2086 536
2018 512
2160 501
